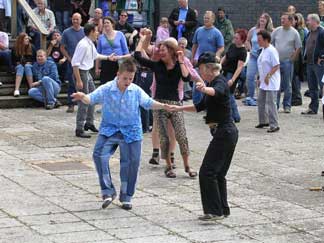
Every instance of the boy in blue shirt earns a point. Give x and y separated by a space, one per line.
120 126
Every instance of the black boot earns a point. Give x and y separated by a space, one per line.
81 134
92 128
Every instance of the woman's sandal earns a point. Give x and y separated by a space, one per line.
170 173
190 172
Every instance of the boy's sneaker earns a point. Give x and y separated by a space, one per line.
126 205
107 200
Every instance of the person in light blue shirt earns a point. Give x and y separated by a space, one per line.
120 126
207 38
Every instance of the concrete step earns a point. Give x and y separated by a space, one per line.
8 89
24 101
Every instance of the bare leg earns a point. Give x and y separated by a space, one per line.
18 82
155 136
29 81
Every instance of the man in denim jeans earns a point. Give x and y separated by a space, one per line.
314 56
288 44
48 84
120 126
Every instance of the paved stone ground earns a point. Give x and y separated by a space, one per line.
49 189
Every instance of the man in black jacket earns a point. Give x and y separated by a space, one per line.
183 21
314 56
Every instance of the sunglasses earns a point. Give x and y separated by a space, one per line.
123 15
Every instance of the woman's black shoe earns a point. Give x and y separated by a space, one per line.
262 125
92 128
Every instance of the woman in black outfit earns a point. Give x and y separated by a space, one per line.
168 73
217 160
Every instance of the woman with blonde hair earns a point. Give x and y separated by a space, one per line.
264 23
169 71
24 54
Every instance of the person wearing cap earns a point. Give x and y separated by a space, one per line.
218 157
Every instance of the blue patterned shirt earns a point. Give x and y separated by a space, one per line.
121 110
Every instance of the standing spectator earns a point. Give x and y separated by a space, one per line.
54 52
314 56
5 53
232 64
162 32
299 25
113 44
82 61
70 38
24 55
264 23
47 85
97 19
47 18
291 9
269 76
129 32
5 11
287 42
225 26
207 38
321 12
82 7
62 11
183 21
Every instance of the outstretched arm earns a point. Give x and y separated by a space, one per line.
80 96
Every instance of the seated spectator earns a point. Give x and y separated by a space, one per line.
123 26
24 54
54 52
108 7
162 32
97 19
48 84
47 18
5 53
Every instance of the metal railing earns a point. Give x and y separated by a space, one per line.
43 31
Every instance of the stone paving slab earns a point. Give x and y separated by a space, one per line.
267 185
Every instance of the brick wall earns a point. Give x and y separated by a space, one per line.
244 13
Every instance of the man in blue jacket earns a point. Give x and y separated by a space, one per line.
48 84
314 56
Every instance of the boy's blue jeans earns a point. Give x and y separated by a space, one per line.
130 155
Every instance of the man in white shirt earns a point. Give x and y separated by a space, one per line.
82 61
46 16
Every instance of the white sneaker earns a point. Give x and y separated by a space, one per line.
16 93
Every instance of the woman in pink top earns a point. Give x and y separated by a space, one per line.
163 30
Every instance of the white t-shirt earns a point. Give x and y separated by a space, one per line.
269 58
